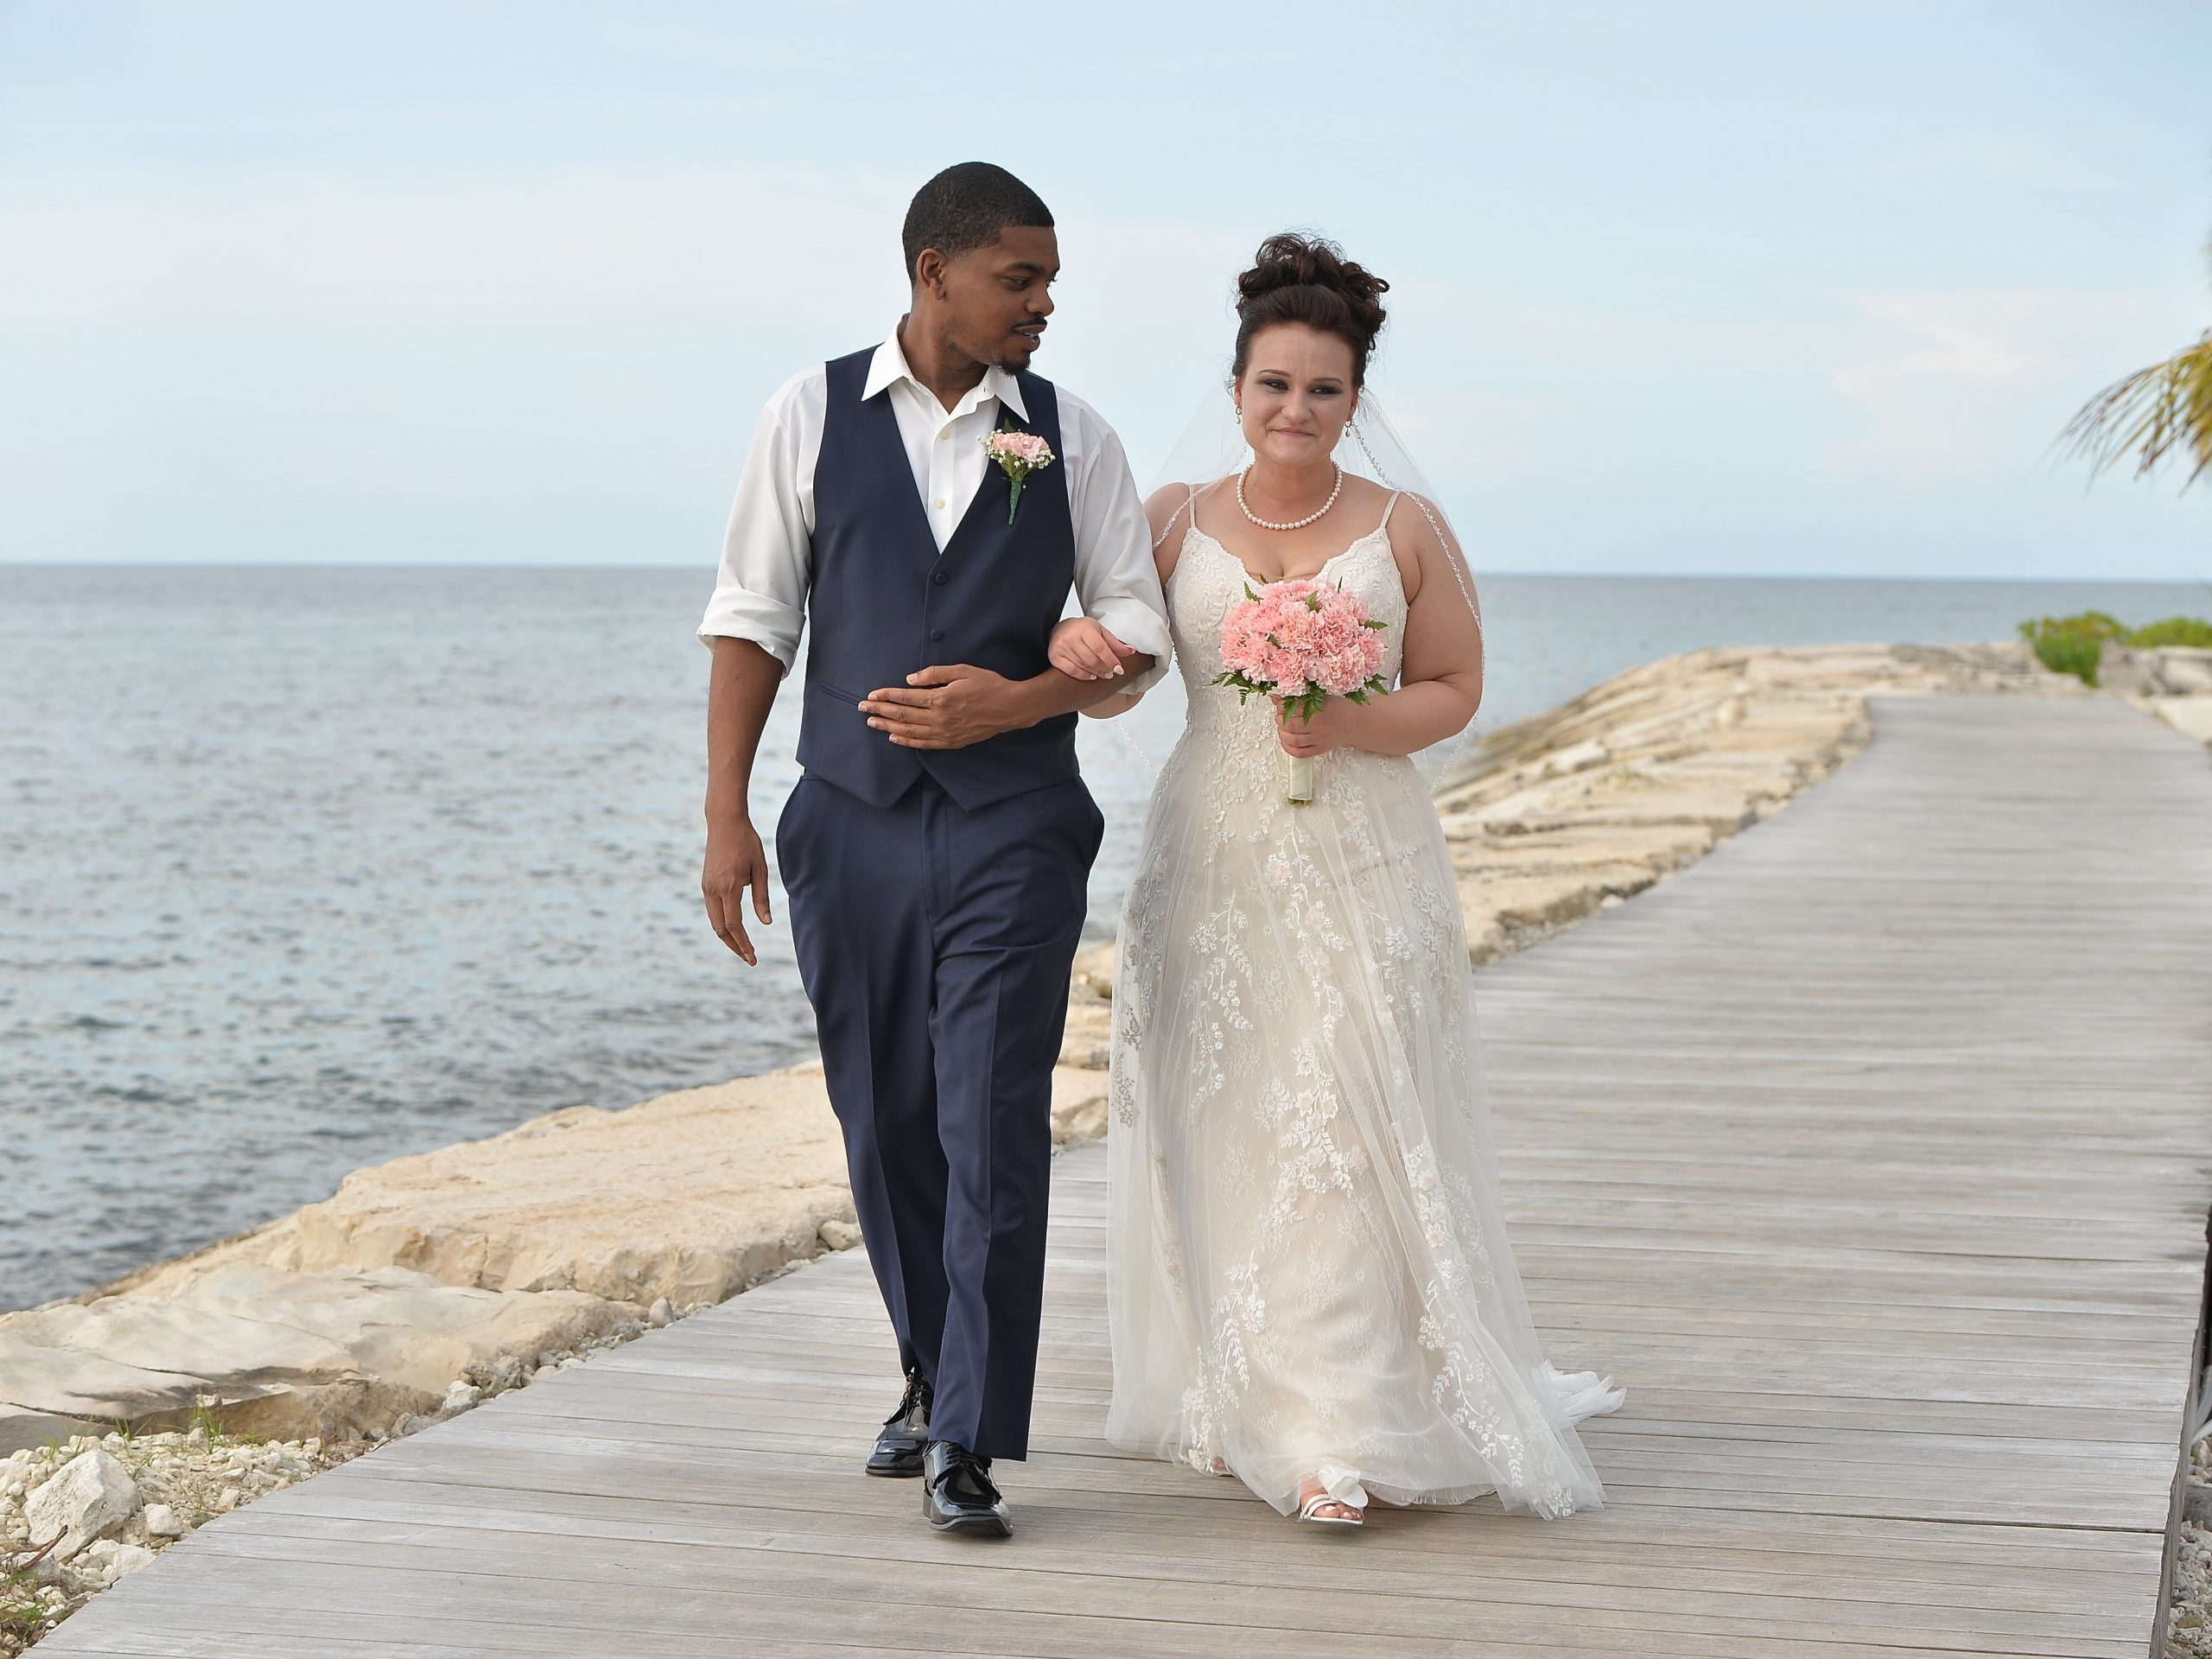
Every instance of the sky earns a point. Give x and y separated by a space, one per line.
1786 288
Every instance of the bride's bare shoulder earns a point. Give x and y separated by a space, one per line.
1361 498
1414 541
1168 510
1163 504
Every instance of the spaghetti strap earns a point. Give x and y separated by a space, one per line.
1189 506
1388 508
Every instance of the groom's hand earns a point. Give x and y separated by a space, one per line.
947 708
736 865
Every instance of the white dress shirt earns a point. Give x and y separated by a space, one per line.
767 559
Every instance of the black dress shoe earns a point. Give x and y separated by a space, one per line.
898 1453
957 1494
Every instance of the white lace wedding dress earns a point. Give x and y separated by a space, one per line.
1308 1268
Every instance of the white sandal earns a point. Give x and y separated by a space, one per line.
1311 1504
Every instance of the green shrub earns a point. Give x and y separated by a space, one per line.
2173 631
2077 654
2075 645
2072 644
2094 624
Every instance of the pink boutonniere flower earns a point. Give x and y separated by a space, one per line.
1018 455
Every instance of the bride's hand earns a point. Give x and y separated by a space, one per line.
1334 727
1084 650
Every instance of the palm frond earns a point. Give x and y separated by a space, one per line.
2150 414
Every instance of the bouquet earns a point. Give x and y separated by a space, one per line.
1301 642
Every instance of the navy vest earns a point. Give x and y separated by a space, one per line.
883 601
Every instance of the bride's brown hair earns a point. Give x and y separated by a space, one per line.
1304 279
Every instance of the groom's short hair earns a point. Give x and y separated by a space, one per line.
965 208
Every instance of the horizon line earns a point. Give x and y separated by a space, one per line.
707 572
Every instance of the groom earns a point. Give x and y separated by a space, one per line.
936 850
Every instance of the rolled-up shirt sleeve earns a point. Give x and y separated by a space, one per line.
760 591
1117 583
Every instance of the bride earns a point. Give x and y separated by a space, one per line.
1310 1285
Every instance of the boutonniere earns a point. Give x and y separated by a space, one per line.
1018 455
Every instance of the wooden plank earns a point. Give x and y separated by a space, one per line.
1867 1153
2057 1569
1670 1566
1286 1601
755 1620
616 1466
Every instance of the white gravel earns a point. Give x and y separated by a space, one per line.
181 1480
2189 1620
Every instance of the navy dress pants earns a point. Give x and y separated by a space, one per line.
935 945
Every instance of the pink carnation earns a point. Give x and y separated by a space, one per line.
1029 448
1294 636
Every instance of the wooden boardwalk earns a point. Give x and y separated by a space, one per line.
1873 1154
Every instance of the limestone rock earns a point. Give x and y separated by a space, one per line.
841 1235
103 1562
273 1352
1559 818
497 1375
693 1196
2186 672
127 1559
2155 672
162 1522
1078 1105
2191 716
1094 970
87 1496
1086 1043
686 1199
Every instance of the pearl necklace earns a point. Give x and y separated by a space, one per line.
1296 524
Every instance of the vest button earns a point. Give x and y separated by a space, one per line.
940 578
937 633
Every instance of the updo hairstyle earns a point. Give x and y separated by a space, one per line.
1304 279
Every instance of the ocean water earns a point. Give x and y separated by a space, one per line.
303 869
